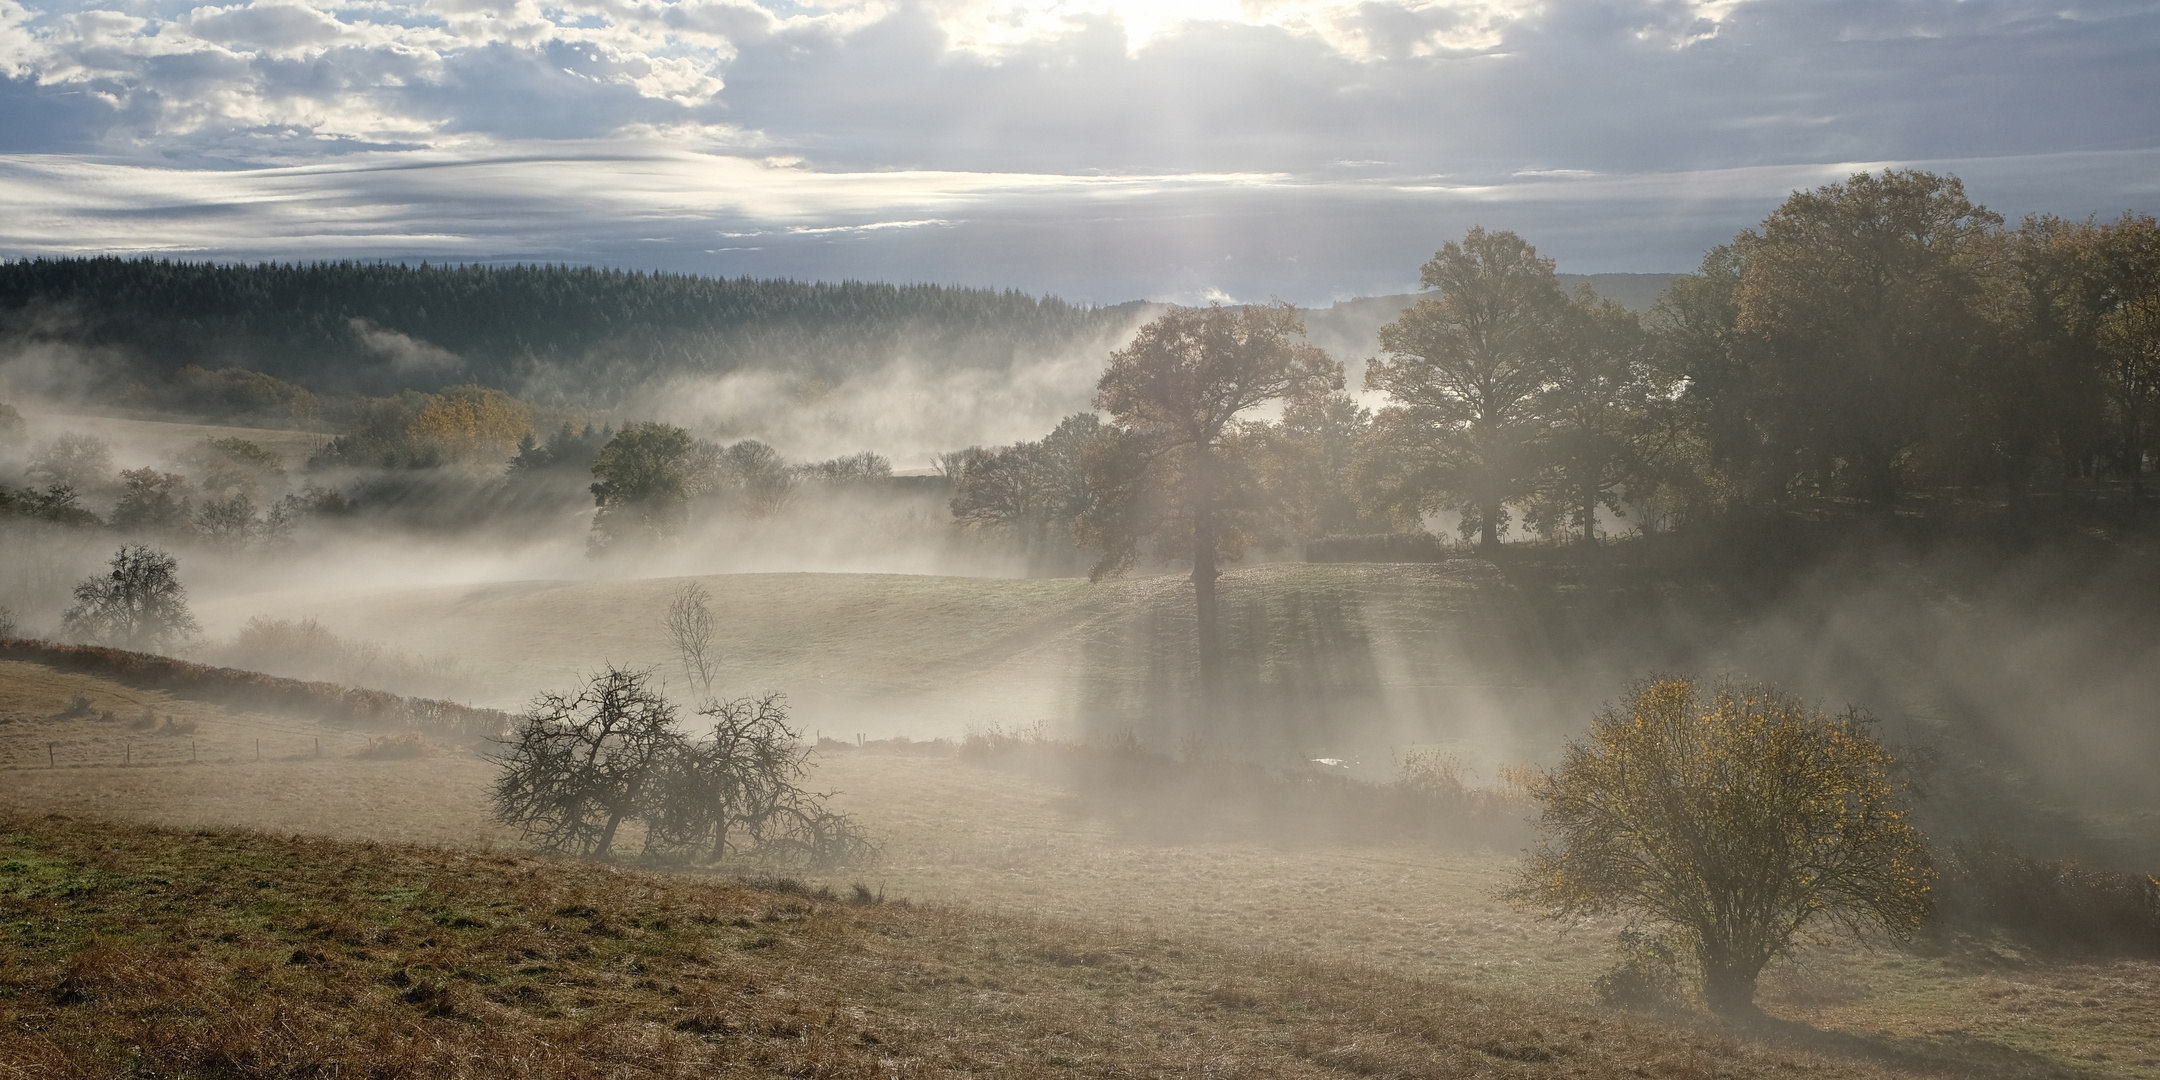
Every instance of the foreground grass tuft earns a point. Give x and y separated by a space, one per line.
132 950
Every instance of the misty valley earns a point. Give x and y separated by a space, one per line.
548 671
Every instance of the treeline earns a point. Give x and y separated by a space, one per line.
1872 340
571 333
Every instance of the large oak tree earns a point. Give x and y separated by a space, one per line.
1167 472
1464 369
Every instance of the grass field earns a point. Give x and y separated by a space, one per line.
132 950
995 853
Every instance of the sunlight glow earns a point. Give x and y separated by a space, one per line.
1359 30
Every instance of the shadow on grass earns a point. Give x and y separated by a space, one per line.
1955 1053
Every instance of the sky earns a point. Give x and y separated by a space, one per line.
1100 150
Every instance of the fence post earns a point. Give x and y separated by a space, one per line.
191 751
318 746
50 761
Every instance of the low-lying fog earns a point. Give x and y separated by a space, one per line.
2032 677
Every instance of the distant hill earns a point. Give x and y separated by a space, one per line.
571 335
575 333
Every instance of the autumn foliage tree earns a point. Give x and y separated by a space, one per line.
1167 472
643 481
1734 818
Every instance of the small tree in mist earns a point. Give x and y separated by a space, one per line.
643 480
1733 819
230 522
138 604
74 460
153 503
690 628
578 768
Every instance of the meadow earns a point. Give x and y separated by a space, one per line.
1213 953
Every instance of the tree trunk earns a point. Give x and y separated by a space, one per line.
607 836
1208 628
1489 539
1729 986
1589 515
1729 993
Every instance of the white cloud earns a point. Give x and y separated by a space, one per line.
1099 147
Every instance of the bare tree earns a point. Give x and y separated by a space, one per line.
741 789
578 767
690 631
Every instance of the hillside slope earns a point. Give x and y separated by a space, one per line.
2028 674
206 953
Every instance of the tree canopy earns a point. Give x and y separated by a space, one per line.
1732 818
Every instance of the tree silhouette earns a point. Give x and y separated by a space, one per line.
1167 472
1464 369
139 604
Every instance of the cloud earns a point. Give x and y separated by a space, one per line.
1086 237
1250 146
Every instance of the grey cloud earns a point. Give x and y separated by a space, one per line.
269 26
1618 134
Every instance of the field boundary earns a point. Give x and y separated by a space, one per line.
328 702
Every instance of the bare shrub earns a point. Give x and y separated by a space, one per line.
1988 884
690 630
577 768
306 649
399 746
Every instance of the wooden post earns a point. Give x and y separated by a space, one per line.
127 749
191 751
50 761
318 746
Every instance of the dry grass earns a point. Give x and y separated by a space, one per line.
989 845
137 950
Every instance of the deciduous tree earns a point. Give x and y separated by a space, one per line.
1595 407
643 481
1464 369
1858 310
1734 819
1167 473
139 604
